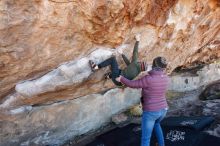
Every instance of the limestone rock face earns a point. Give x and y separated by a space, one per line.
37 36
45 46
55 123
212 91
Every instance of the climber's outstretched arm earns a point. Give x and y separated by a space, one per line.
127 62
135 50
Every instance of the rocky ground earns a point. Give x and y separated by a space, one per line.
183 104
190 105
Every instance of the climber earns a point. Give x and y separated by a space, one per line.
131 71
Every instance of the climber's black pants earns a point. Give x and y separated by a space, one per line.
114 69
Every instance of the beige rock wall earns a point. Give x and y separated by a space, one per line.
56 123
36 36
53 124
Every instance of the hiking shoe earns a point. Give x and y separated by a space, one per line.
93 66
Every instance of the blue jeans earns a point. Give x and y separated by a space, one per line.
151 120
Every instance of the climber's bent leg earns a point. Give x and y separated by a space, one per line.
114 65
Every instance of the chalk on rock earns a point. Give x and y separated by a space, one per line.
77 71
67 74
120 118
120 49
21 110
9 100
27 88
100 55
46 83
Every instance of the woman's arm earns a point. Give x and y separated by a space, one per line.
140 83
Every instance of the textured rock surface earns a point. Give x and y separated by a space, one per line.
188 81
38 35
211 91
54 124
32 92
190 105
119 118
45 46
49 122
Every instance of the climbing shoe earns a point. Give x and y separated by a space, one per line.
93 66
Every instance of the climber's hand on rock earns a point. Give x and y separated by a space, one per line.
120 50
138 37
